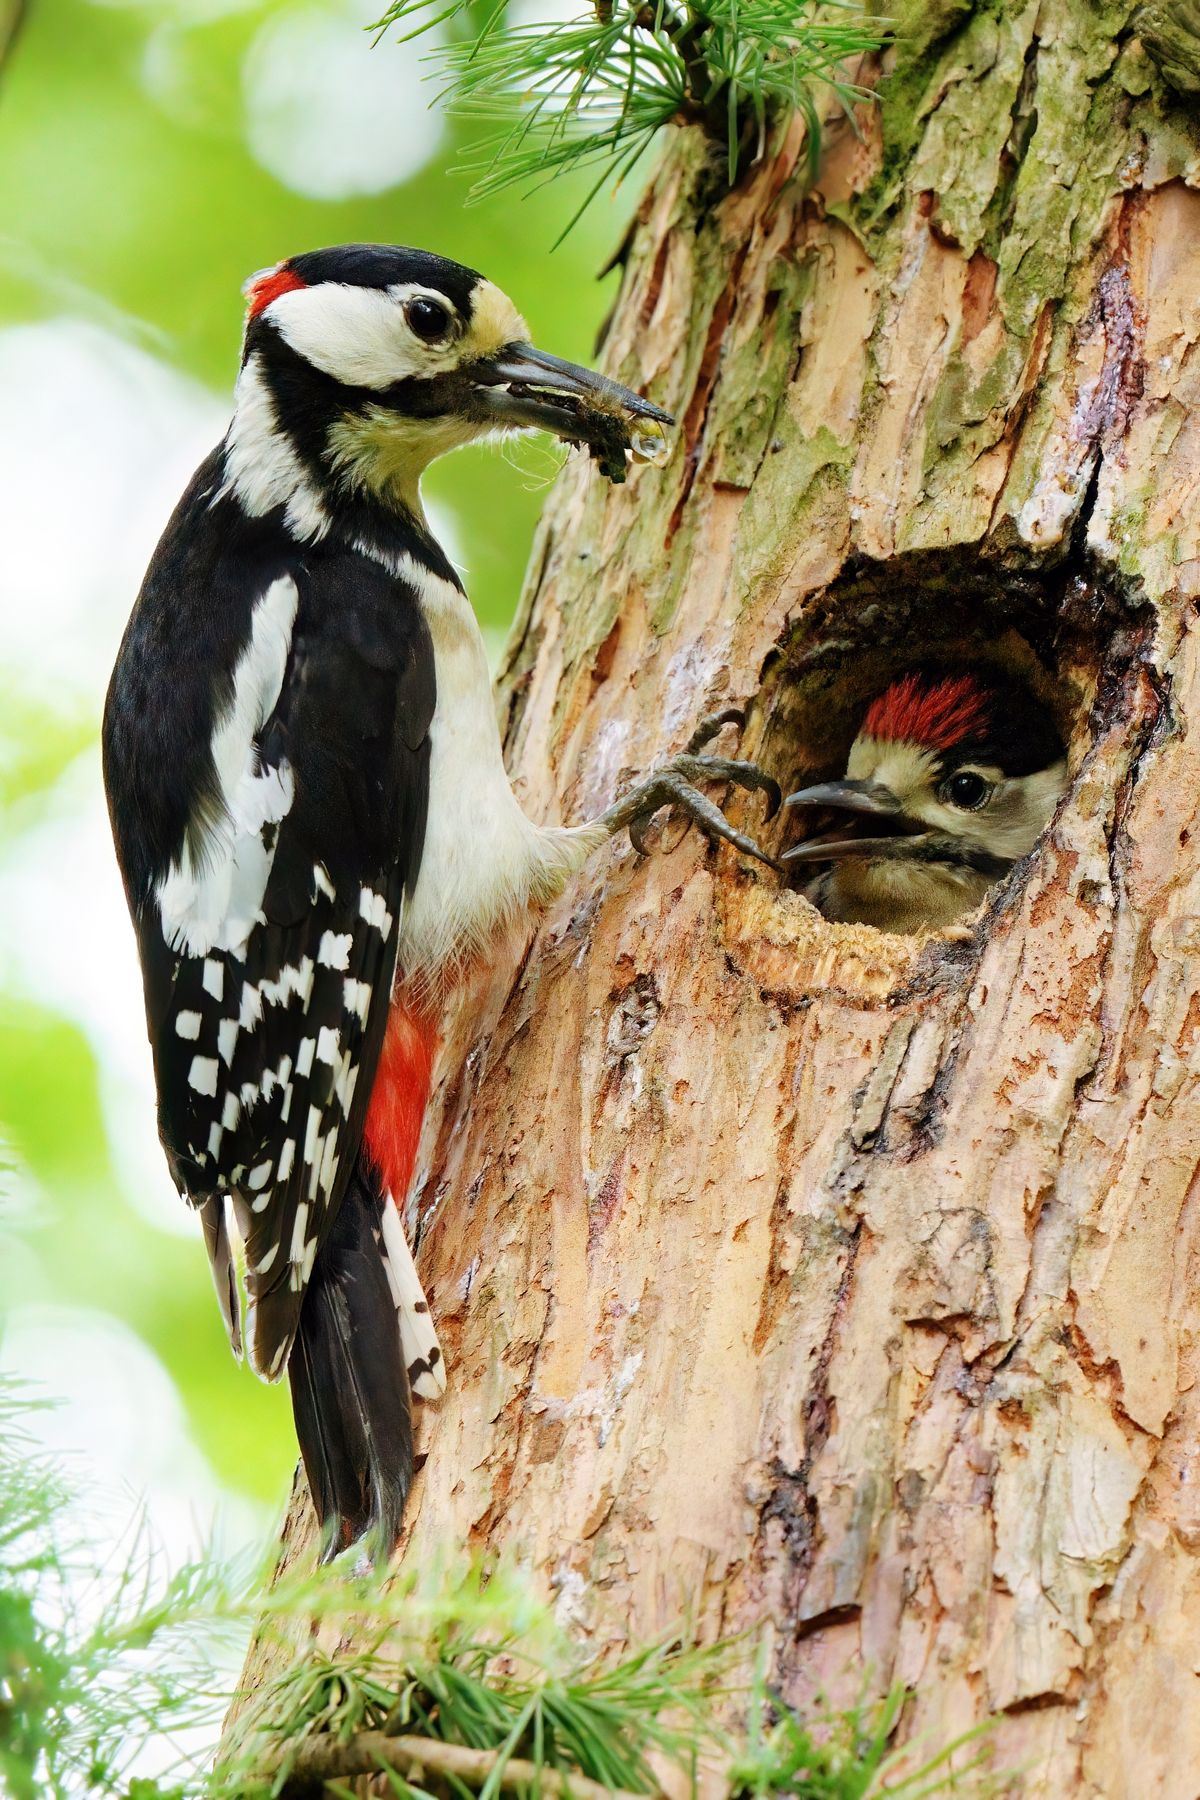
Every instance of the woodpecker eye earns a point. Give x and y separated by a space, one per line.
966 790
428 319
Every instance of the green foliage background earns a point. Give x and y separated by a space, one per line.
114 206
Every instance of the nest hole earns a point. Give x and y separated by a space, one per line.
1073 642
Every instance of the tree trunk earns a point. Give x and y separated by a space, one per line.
794 1271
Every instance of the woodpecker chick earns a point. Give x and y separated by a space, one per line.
314 824
951 780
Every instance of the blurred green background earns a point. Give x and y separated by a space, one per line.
154 155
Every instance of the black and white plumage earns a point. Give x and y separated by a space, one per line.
275 838
314 823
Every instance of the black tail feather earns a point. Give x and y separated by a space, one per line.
349 1385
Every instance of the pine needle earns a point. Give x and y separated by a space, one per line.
501 1694
457 1687
592 94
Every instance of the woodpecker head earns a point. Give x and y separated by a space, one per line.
373 360
950 781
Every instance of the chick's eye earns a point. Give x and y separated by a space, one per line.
966 789
428 319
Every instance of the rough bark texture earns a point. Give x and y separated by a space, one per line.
790 1270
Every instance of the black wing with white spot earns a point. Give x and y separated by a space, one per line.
267 1101
269 820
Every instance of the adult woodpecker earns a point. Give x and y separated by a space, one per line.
315 828
950 781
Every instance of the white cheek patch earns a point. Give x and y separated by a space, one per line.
1007 825
1017 812
359 335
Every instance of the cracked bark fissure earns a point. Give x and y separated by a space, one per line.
852 1283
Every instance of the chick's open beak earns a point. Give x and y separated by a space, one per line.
524 387
868 804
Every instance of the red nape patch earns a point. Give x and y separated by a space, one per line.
934 711
262 289
396 1109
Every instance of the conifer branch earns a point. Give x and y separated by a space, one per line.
325 1758
594 92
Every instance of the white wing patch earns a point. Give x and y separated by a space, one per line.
214 901
418 1340
203 1075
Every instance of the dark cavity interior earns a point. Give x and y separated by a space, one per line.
1073 641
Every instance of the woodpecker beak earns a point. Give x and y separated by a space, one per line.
868 803
524 388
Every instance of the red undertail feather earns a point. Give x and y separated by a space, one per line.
268 286
400 1095
934 711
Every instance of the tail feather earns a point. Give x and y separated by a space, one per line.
214 1218
418 1340
334 1470
350 1391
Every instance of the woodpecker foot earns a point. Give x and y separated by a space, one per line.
674 785
708 728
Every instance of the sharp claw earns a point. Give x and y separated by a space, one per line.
748 847
638 828
703 812
708 728
672 786
723 768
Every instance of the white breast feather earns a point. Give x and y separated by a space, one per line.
484 862
213 902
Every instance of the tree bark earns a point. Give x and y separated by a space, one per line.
788 1270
